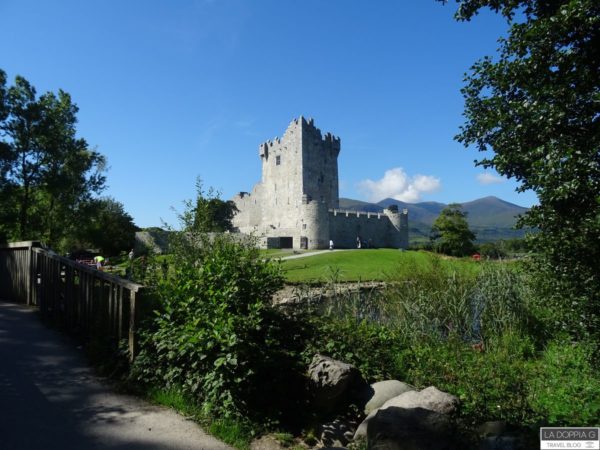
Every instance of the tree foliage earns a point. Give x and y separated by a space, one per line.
534 110
108 227
211 214
49 176
450 232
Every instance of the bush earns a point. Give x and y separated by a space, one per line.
491 381
216 335
566 389
491 250
369 346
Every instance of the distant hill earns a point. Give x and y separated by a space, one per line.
490 217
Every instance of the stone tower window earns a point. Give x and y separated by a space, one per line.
278 160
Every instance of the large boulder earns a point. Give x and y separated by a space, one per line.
332 382
431 399
396 428
376 394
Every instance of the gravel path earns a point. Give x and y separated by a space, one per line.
304 255
51 399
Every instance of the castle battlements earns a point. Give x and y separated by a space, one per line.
296 204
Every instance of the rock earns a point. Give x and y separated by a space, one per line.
396 428
495 436
331 381
431 399
266 443
338 432
492 428
375 395
499 443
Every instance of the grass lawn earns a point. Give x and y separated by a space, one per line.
369 265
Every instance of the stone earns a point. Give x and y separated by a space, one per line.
266 443
499 443
296 203
337 433
375 395
431 399
331 381
417 428
492 428
495 436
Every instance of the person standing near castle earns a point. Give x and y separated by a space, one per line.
358 243
330 244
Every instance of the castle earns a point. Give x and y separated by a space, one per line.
296 204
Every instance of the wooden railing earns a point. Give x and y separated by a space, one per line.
81 299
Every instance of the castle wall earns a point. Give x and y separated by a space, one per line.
376 229
298 197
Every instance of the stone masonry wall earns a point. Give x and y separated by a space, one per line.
374 229
298 196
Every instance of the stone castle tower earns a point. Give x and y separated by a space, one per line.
296 204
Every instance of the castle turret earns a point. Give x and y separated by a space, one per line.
315 225
398 236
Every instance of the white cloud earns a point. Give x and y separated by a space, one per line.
398 185
489 178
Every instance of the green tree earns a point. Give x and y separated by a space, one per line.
535 110
71 171
47 173
106 226
21 126
450 232
211 214
7 213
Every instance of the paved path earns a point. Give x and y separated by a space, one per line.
50 399
319 252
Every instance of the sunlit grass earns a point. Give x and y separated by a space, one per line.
370 265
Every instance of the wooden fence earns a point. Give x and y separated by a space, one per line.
81 299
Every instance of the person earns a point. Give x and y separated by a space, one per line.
98 260
131 254
358 243
330 244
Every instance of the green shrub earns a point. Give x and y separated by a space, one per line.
369 346
217 336
491 250
566 389
491 381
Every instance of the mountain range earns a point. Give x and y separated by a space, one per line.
490 218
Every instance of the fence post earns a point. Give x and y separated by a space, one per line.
135 310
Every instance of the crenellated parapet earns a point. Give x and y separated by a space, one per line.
297 199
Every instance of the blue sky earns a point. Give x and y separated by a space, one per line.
169 91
